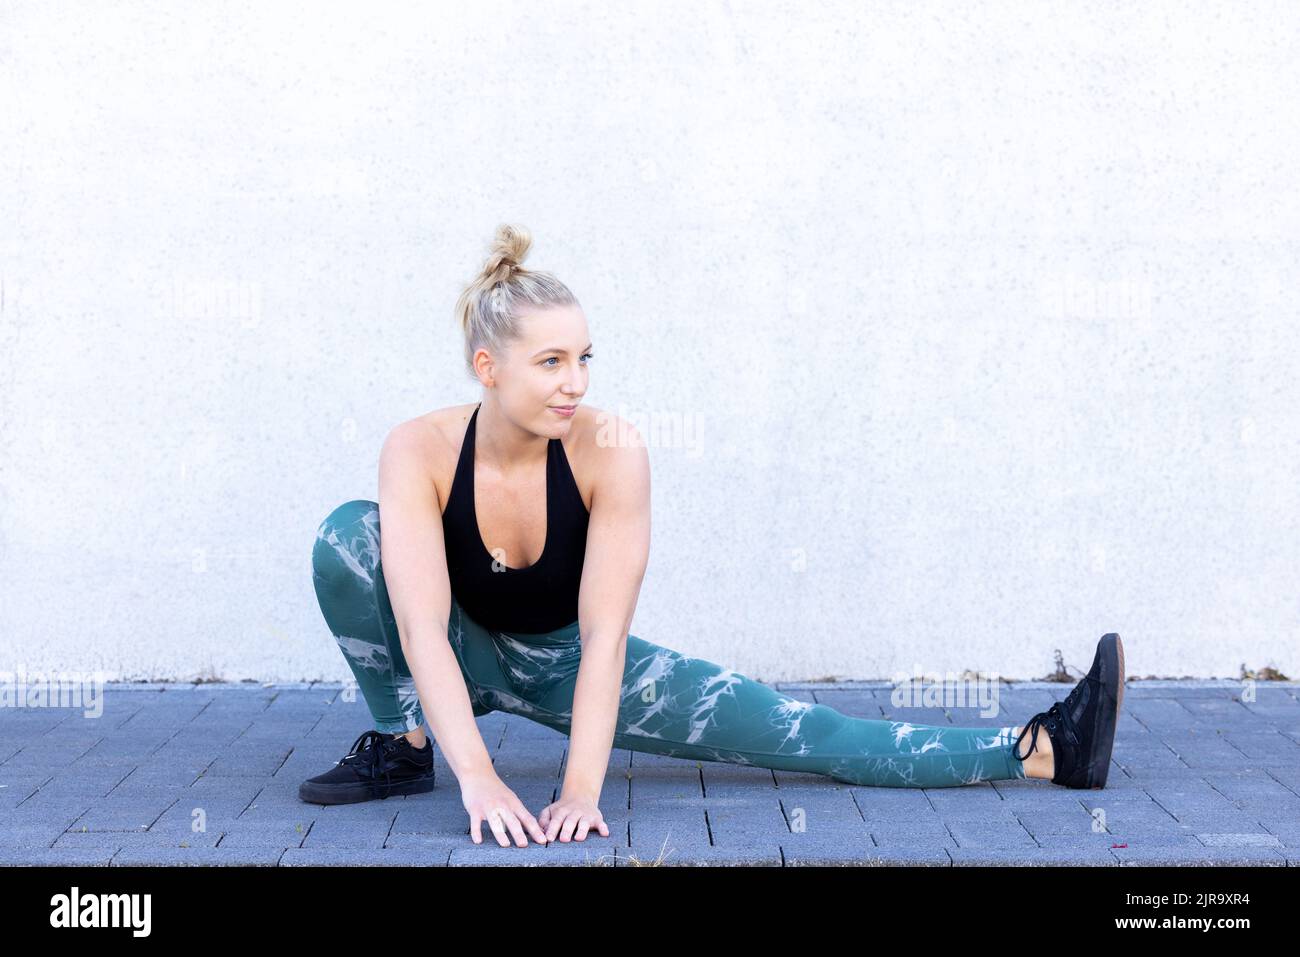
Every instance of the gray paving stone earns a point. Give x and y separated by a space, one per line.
197 857
1044 823
653 832
30 836
794 780
259 834
968 835
348 833
86 780
354 857
827 847
1200 777
247 764
51 806
226 789
665 784
211 815
695 855
928 839
55 857
975 796
62 815
430 817
645 759
1288 834
15 787
1216 822
820 814
120 839
1032 857
1248 839
1000 816
125 813
921 855
1085 840
738 822
1188 855
891 802
586 853
433 844
165 773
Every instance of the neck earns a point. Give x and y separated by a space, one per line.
504 446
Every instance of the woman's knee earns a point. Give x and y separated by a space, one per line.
347 544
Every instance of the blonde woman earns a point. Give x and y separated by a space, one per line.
515 537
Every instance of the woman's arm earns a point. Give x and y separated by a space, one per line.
413 557
618 550
414 560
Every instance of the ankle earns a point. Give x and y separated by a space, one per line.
1041 763
416 738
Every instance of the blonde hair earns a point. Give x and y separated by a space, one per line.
489 308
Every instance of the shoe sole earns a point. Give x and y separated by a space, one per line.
356 793
1112 675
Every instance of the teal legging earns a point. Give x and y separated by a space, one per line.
671 704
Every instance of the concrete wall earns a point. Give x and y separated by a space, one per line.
962 333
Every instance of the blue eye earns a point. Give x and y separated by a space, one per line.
585 355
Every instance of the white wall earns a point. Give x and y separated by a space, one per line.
981 317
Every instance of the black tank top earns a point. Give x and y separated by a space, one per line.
540 598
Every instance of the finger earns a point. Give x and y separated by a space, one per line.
475 828
498 827
584 825
570 822
516 829
557 822
530 823
602 827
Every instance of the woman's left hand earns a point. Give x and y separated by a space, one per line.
568 814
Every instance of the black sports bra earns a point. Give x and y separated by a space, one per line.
539 598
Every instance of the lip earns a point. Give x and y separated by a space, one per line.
565 410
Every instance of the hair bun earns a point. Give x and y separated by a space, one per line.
510 247
488 309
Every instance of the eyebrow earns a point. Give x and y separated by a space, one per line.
563 352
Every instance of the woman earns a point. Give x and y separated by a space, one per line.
515 538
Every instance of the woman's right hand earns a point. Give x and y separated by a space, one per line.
487 798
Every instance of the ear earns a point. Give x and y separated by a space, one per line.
485 367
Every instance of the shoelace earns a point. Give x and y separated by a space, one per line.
369 748
1056 715
1049 718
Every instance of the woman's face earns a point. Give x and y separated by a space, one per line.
544 368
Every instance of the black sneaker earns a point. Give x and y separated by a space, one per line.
377 766
1082 727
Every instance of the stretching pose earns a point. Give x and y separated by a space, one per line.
516 532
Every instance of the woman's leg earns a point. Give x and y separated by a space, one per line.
671 703
704 710
681 706
349 582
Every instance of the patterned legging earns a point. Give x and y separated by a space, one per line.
671 704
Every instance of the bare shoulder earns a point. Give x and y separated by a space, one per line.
604 433
431 442
445 426
602 448
432 431
608 448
